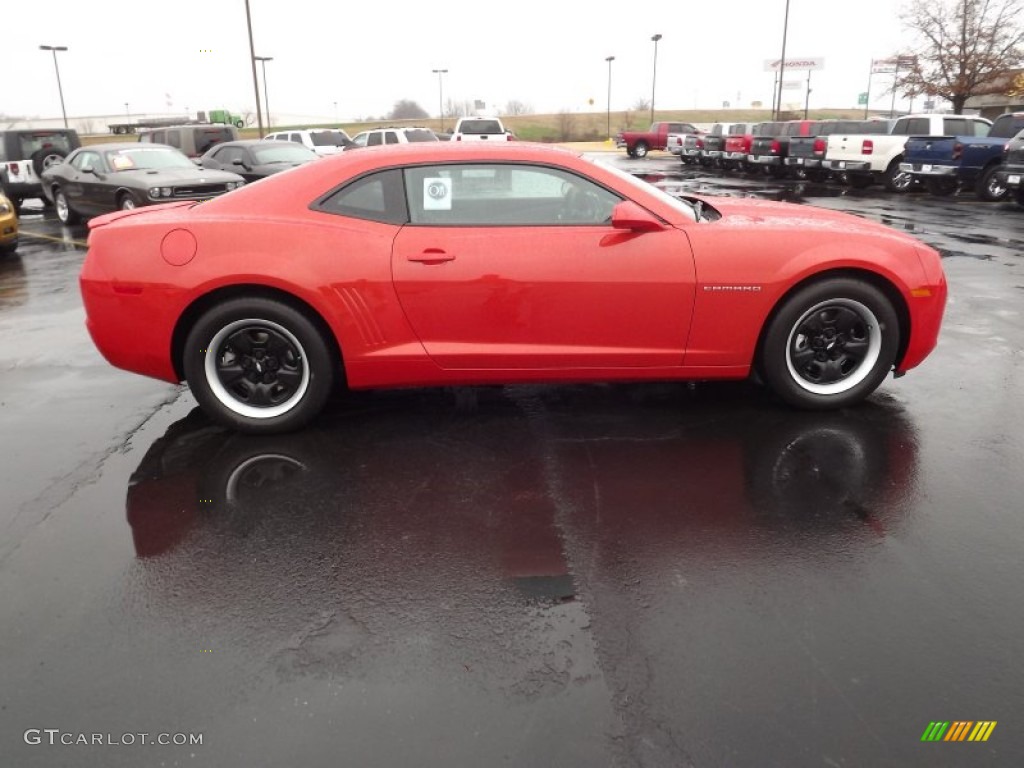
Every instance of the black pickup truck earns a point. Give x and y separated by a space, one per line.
713 149
771 148
807 153
1011 171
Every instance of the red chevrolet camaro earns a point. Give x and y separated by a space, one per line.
439 264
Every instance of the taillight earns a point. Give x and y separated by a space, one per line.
867 147
820 145
775 148
14 168
508 137
958 150
458 138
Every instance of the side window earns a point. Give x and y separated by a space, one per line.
979 128
390 137
504 195
297 137
87 161
954 126
373 139
361 139
228 155
377 197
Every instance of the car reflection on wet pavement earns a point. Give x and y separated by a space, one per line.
629 575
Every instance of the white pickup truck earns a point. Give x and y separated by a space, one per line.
872 157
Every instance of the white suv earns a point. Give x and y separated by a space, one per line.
480 129
393 136
323 141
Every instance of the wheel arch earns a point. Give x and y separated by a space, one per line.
887 287
197 308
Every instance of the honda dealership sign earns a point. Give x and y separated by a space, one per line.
773 65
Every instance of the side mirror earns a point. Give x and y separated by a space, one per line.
630 216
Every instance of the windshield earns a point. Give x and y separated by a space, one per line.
283 153
147 159
329 138
681 205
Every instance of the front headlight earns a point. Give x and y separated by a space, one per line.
156 193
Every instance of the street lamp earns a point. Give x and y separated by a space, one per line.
56 69
127 111
654 77
609 59
782 65
252 61
440 94
266 93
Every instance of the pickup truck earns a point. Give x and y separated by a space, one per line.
948 163
712 152
639 143
737 146
770 149
686 146
1011 173
877 156
807 153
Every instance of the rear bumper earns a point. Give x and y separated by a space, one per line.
924 169
1011 177
734 155
764 159
846 165
804 162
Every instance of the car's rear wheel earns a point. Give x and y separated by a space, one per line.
258 365
640 149
830 344
989 187
65 213
896 180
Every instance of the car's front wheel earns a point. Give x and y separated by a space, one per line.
640 149
830 344
64 211
127 202
258 365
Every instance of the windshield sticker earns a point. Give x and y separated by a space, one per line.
437 194
121 162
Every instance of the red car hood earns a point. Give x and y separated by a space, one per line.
749 213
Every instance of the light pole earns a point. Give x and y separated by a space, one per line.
252 61
127 111
56 69
609 59
266 94
440 94
654 77
782 65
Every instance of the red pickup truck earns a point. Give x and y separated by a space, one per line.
639 143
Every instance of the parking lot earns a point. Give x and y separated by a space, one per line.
620 575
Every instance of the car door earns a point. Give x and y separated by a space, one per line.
518 267
83 181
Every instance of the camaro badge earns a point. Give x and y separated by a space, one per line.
733 288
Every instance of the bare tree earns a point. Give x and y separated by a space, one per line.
641 105
406 109
515 107
965 47
454 108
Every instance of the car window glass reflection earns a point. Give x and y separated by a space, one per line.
504 195
377 197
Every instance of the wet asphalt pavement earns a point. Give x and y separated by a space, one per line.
627 575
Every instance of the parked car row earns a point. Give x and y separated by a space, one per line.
944 153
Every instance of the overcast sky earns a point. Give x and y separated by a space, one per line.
549 54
